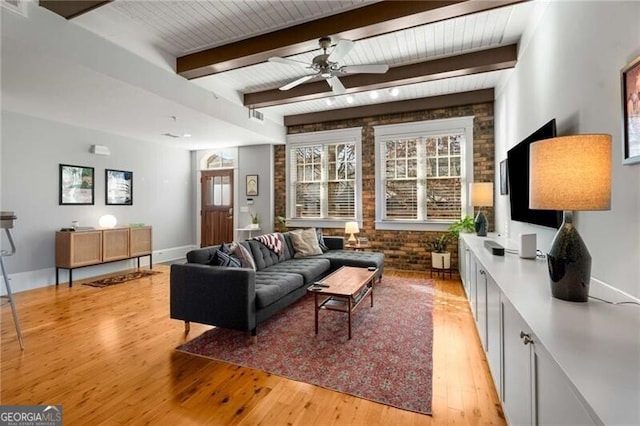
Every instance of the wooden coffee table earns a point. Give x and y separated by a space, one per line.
348 287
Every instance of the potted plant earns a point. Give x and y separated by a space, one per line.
440 257
255 221
463 225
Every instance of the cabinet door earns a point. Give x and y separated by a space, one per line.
556 401
81 248
481 303
518 368
494 332
115 244
473 296
140 241
462 263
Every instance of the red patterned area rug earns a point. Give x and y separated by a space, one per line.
387 360
117 279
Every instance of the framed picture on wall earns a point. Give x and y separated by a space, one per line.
252 185
630 79
119 187
76 185
504 178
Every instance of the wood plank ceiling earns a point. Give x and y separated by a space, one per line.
433 48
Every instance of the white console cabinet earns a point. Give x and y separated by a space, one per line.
552 362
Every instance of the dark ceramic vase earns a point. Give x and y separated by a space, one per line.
569 264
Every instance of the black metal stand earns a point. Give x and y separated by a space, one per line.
6 222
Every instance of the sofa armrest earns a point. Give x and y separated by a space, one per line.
334 243
213 295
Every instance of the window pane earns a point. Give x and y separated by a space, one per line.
455 166
456 142
412 148
431 146
444 199
412 168
401 170
308 200
431 167
390 149
401 149
401 199
341 199
443 146
443 167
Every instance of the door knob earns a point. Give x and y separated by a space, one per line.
526 338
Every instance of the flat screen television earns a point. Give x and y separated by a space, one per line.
518 178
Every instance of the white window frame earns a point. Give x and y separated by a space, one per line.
327 137
419 129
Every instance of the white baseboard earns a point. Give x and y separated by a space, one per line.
23 281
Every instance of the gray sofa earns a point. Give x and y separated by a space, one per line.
241 298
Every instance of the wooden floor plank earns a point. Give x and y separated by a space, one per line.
108 356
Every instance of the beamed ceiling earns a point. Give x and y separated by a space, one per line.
438 52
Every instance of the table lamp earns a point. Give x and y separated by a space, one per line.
351 228
570 173
481 196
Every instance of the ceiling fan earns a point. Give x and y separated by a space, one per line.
326 65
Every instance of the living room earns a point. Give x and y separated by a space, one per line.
569 64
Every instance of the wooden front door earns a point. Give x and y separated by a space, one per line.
217 207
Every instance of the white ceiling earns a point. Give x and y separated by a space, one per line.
159 31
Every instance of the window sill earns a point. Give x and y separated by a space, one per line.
397 225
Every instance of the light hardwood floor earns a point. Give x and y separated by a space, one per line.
107 355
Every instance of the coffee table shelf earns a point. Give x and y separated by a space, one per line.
345 286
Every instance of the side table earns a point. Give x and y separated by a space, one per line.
357 246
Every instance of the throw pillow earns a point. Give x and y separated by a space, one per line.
221 258
246 259
305 242
321 243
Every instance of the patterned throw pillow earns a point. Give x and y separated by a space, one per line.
221 258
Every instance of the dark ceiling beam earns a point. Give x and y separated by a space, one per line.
70 9
367 21
452 66
433 102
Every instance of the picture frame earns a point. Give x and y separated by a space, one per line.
252 185
118 187
504 178
76 185
630 82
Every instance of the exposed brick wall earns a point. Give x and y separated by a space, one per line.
403 249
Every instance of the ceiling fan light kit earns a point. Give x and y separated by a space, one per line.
327 66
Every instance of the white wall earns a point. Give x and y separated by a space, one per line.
569 69
31 152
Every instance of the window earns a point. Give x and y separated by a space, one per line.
420 173
323 177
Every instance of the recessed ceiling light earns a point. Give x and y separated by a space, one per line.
186 135
349 99
374 94
330 101
394 91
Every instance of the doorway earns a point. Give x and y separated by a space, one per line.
217 207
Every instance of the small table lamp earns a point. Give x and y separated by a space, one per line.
351 228
481 196
570 173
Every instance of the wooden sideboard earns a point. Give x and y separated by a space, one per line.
77 249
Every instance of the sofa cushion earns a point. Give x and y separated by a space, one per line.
262 256
361 259
272 286
311 268
305 242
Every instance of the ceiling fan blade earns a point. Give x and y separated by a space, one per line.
297 82
288 62
341 50
336 85
365 69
